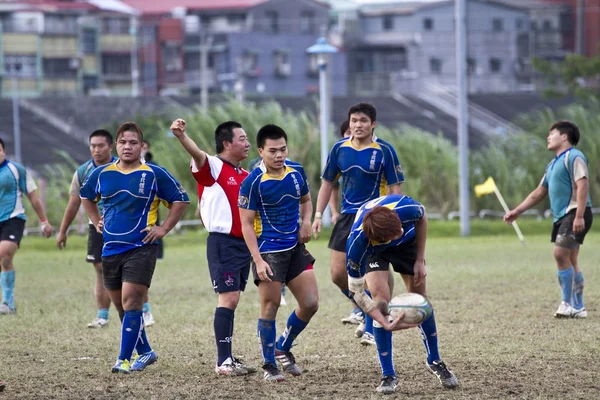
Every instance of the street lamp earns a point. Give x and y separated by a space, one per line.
16 69
321 49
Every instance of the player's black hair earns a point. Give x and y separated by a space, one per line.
567 128
224 133
2 144
130 127
270 131
365 108
344 126
102 133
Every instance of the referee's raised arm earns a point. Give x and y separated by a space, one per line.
178 129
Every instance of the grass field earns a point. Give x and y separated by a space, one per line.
494 303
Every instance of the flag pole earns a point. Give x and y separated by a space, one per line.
506 209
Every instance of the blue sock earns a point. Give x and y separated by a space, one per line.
565 279
266 334
578 291
130 331
142 346
383 339
8 287
102 313
347 294
429 336
368 320
293 328
223 326
146 307
357 310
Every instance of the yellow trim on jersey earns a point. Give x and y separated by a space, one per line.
266 176
114 167
382 187
258 225
153 212
373 145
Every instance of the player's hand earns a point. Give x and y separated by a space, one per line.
46 229
178 127
578 224
100 226
334 217
420 273
511 216
61 240
154 233
397 324
305 232
263 270
316 227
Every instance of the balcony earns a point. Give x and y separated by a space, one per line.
116 43
59 85
15 43
59 47
90 64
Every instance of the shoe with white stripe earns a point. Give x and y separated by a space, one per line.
581 313
564 310
231 368
446 377
97 323
143 360
287 359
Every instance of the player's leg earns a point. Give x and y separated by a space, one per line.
563 250
8 249
578 284
302 282
94 256
147 311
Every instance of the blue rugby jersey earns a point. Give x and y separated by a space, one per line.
15 182
365 172
561 175
276 200
81 174
131 200
358 246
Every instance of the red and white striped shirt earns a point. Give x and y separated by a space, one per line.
218 190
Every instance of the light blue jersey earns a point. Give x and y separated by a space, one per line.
365 172
359 247
560 179
15 182
81 175
131 200
276 200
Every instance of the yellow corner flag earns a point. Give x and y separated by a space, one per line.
487 187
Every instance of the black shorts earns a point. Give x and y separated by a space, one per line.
95 244
133 266
564 226
341 231
12 230
286 265
228 262
401 257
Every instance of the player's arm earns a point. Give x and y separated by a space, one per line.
38 207
70 212
531 200
157 232
178 129
395 189
306 210
421 238
582 188
262 268
322 200
92 211
334 201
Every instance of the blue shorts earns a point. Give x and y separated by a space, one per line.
228 262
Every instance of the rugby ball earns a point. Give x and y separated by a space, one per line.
415 307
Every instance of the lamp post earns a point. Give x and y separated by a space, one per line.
16 68
321 49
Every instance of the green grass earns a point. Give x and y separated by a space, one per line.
494 302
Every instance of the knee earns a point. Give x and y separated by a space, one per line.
340 279
269 309
310 307
132 302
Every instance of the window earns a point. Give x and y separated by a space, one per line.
547 25
471 66
497 25
115 26
388 22
393 61
59 68
171 57
428 24
519 24
89 41
313 64
116 66
435 65
495 65
307 22
250 63
283 68
61 24
272 18
20 66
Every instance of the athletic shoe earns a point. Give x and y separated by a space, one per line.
98 323
272 373
287 359
142 361
388 385
581 313
2 386
367 339
564 310
240 364
148 319
446 377
230 368
360 330
122 366
6 309
355 318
